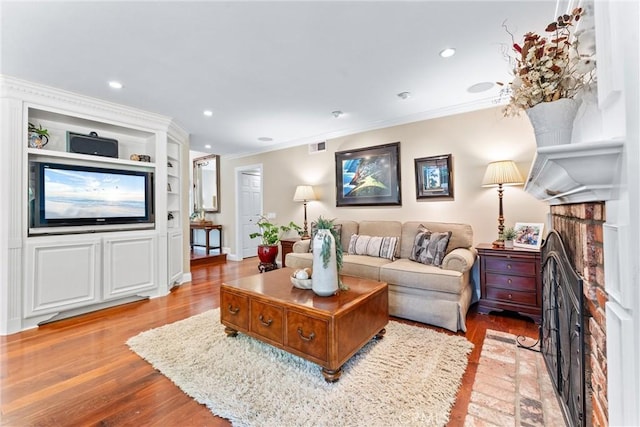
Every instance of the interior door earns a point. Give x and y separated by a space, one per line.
251 208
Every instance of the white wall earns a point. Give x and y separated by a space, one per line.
474 139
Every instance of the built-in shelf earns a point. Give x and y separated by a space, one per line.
576 173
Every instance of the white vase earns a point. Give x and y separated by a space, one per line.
325 278
553 121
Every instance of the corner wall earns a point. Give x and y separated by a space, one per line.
474 139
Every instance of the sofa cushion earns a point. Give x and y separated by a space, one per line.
461 235
349 228
367 267
405 272
382 247
429 247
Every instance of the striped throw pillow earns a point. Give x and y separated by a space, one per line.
382 247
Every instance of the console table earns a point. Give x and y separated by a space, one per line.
207 227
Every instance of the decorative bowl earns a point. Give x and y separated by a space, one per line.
301 283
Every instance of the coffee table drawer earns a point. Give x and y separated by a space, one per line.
234 309
266 321
307 334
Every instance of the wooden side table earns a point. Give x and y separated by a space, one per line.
207 227
510 279
287 247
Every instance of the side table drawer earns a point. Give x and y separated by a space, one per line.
517 297
234 309
506 265
307 334
266 321
518 283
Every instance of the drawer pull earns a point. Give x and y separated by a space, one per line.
510 296
509 281
233 310
267 323
508 266
309 338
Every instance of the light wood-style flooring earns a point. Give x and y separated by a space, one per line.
80 372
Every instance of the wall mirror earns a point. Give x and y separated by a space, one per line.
206 184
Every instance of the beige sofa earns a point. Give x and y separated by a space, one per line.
438 296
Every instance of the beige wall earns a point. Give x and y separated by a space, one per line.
474 139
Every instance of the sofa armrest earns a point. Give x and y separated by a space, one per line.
301 246
459 259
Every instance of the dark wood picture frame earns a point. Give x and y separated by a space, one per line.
434 177
369 176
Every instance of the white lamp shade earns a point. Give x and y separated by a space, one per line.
503 172
304 193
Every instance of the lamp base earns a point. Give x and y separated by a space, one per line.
498 244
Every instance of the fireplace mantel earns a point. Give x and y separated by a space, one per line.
576 173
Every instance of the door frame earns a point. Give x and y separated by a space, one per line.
238 172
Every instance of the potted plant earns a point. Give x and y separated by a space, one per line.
38 137
270 237
509 234
327 259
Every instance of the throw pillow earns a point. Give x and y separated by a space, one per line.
429 247
314 230
382 247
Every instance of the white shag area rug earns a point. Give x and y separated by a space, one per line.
410 377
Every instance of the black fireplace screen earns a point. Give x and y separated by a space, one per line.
562 332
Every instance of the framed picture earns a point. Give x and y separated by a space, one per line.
369 176
528 235
434 177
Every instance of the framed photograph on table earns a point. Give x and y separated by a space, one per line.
369 176
528 235
434 177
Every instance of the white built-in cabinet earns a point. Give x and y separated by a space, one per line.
72 269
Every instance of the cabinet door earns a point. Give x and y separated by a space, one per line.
130 265
175 258
61 276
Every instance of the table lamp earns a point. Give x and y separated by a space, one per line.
503 172
304 193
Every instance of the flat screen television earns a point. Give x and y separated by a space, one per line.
71 195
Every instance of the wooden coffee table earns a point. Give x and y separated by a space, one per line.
323 330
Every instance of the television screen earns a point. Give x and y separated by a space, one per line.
86 195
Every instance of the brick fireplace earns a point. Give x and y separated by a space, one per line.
581 228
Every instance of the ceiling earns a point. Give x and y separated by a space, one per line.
273 70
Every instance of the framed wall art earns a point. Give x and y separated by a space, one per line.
369 176
434 177
528 235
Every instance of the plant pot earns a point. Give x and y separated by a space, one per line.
508 244
553 121
36 140
267 253
325 276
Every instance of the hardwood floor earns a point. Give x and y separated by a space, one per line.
79 371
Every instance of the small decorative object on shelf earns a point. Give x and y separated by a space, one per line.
550 73
140 158
508 235
168 187
169 164
170 216
38 137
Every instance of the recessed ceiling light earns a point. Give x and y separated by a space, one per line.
115 85
448 52
404 95
208 113
207 146
265 139
480 87
337 113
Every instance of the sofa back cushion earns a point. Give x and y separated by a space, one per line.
347 230
382 229
461 235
